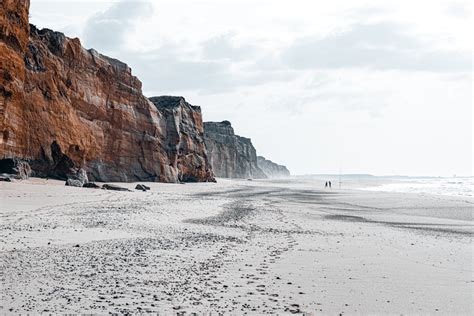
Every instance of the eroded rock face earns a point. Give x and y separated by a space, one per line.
271 169
14 25
230 155
184 138
64 108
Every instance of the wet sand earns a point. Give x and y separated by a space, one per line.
236 246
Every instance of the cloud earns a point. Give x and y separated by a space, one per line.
164 73
169 73
377 46
106 31
459 10
224 47
181 66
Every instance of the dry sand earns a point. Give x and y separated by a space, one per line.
235 246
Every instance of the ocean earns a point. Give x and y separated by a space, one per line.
452 186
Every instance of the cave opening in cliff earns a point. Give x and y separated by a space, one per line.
62 163
7 166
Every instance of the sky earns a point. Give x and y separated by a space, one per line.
378 87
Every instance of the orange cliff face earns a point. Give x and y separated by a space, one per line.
64 108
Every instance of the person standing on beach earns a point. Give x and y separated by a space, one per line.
329 184
326 185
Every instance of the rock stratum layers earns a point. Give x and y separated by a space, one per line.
233 156
271 169
63 108
230 155
184 138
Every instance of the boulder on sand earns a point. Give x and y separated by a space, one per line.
142 187
77 179
74 183
81 175
114 187
92 185
5 178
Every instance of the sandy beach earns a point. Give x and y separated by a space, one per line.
234 246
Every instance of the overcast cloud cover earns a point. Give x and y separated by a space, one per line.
381 87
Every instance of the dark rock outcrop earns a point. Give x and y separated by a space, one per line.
91 185
64 108
114 187
271 169
230 155
16 168
142 187
5 178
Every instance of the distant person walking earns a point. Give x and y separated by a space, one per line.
329 184
326 185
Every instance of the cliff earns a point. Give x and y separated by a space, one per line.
64 108
271 169
184 138
230 155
